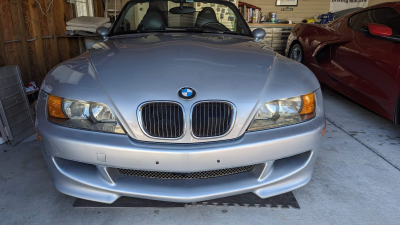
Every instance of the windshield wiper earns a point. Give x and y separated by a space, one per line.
199 29
232 32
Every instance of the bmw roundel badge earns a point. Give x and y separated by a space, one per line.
187 93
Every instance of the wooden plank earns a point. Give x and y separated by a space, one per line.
52 32
3 59
11 54
60 23
10 49
19 33
46 43
32 59
73 43
98 7
35 51
36 32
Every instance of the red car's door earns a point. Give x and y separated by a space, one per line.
371 64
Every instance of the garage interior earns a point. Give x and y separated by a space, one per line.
355 180
35 31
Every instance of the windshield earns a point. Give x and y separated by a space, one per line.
340 14
171 16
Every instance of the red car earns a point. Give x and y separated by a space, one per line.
358 55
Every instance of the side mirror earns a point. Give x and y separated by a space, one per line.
379 29
103 32
259 34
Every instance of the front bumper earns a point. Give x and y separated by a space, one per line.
82 163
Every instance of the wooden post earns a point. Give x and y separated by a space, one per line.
19 33
7 33
52 32
35 26
98 7
73 43
60 20
3 59
49 59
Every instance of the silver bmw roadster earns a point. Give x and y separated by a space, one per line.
179 102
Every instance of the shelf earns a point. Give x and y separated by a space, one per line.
249 5
271 25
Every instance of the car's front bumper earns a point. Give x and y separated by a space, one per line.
82 163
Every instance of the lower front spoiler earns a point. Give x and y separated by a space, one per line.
102 184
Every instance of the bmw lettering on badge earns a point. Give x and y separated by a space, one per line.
186 93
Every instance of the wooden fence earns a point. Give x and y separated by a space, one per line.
30 39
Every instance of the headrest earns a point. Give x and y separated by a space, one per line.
207 15
152 21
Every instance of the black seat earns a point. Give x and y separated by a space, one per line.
152 20
207 15
158 10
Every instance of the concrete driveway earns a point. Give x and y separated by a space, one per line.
356 181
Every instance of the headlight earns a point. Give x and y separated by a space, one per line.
84 115
284 112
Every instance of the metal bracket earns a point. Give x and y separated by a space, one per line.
33 39
11 41
28 40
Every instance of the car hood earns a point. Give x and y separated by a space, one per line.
156 66
126 71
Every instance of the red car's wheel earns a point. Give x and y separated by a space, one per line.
296 53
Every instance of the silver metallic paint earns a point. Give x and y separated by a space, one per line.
121 71
138 68
103 32
258 34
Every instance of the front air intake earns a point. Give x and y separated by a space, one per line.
186 176
162 119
